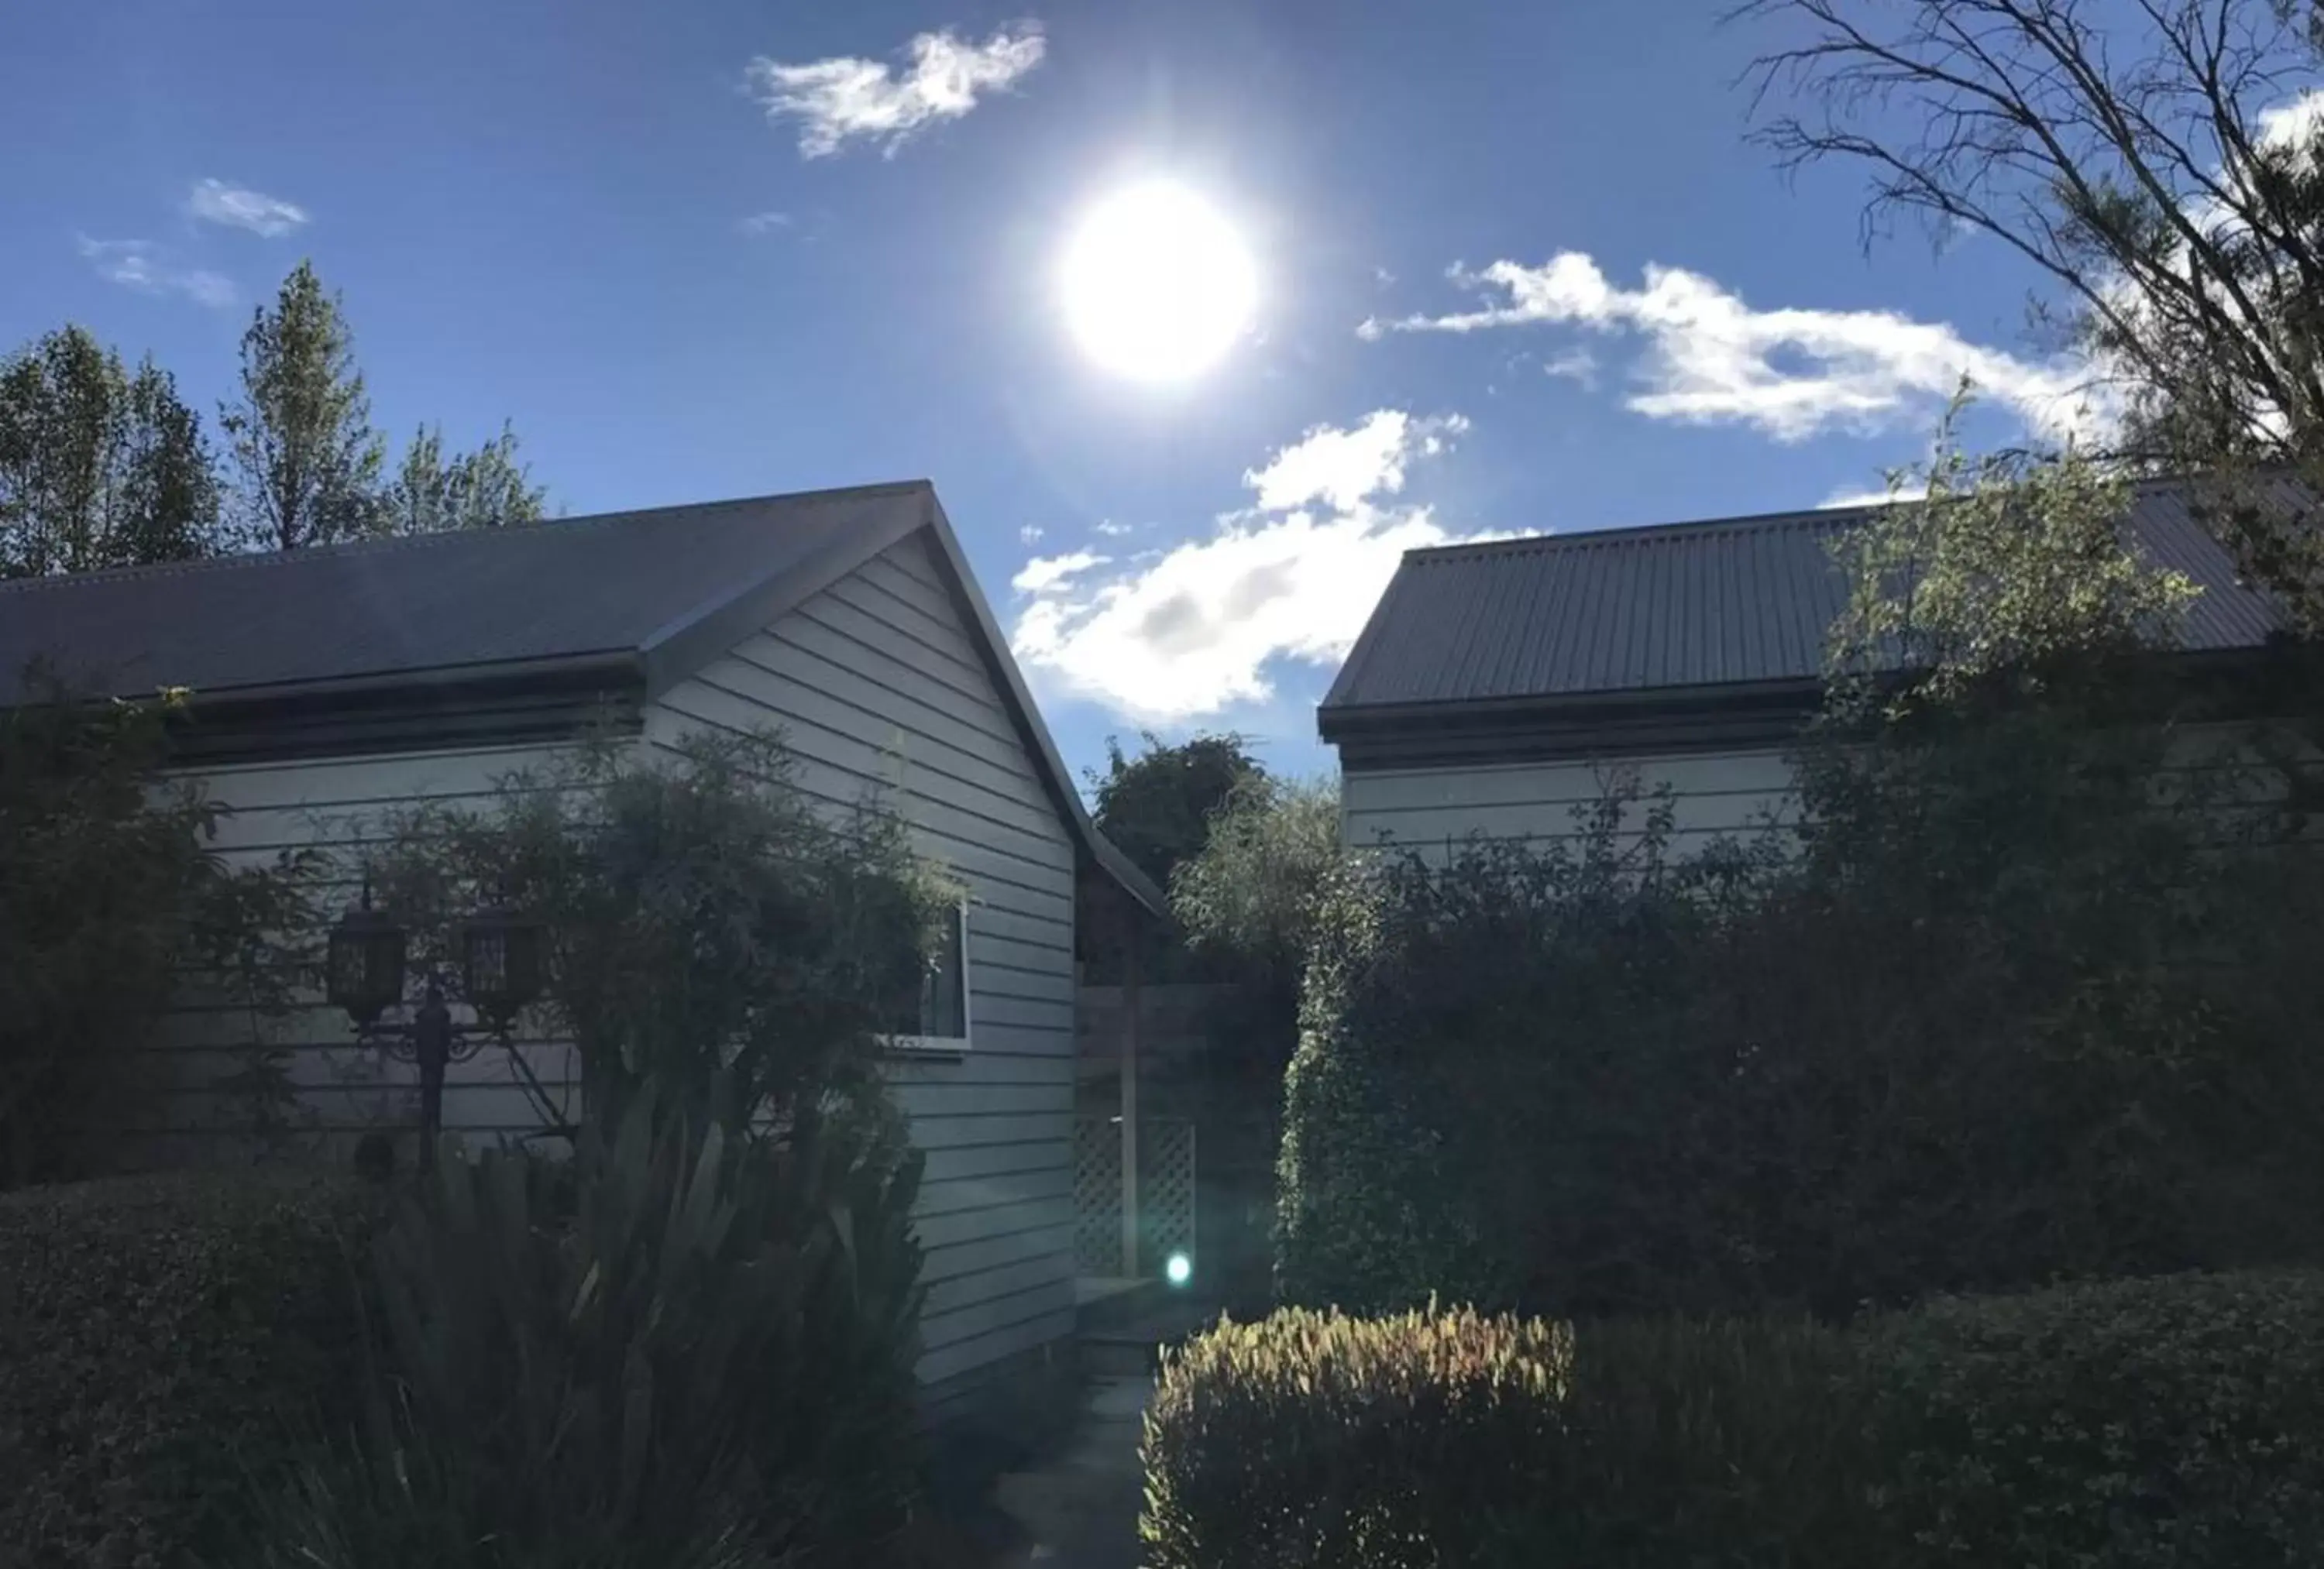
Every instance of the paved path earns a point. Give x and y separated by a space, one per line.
1081 1507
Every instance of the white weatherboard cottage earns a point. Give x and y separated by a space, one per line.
1499 686
333 687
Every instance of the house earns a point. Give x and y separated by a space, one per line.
334 687
1497 686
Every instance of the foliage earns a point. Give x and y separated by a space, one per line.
706 923
1501 1090
2158 1421
305 457
1999 570
152 1331
99 466
2159 168
1255 886
489 488
683 1346
112 888
1156 807
2012 994
1317 1439
2134 1422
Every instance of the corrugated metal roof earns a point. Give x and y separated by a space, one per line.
1716 604
384 608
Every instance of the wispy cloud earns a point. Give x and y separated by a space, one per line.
1851 496
847 98
1046 574
146 267
1027 533
1576 364
765 223
1195 630
1711 359
213 201
1344 468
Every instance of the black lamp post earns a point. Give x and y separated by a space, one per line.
500 965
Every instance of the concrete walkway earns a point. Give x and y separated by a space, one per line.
1080 1508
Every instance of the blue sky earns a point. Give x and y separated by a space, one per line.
595 220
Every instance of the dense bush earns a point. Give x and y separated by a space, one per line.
1994 1020
2174 1421
1318 1440
709 921
110 885
2166 1422
154 1332
679 1347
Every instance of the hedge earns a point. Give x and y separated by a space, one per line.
2176 1420
151 1332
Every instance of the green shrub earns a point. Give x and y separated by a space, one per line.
2171 1421
1318 1440
153 1331
2175 1420
683 1348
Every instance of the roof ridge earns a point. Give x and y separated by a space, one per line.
248 560
1581 538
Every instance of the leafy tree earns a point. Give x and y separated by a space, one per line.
489 488
1255 887
306 459
112 894
1156 807
2158 164
710 931
99 466
2000 569
2021 995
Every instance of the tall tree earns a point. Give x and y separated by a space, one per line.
99 466
489 488
2160 162
306 462
1156 807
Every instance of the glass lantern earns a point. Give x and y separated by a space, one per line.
363 971
501 964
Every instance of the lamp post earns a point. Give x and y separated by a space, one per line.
500 965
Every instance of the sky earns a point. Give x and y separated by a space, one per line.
1514 270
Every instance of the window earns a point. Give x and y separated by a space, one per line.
937 1020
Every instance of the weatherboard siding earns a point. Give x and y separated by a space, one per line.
882 697
1433 810
185 1105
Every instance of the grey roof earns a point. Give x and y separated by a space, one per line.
1713 604
655 594
602 585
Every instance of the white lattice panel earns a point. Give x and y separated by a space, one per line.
1165 1192
1097 1196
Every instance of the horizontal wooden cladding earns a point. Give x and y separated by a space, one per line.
1737 794
975 1351
855 766
881 695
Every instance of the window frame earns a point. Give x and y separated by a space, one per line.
947 1045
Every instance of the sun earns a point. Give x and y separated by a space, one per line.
1157 285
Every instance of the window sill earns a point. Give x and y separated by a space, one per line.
924 1047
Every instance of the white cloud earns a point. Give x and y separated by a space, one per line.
1341 468
1849 496
143 266
1576 364
764 223
213 201
1713 360
1114 530
1043 573
1028 532
1193 629
847 97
